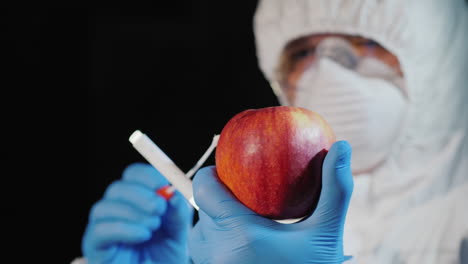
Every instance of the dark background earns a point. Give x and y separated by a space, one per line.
177 72
85 79
76 82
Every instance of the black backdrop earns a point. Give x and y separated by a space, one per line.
85 79
177 71
76 82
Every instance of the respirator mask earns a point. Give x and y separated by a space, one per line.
361 98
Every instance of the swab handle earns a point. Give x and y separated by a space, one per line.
156 157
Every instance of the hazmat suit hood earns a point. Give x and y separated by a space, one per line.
425 176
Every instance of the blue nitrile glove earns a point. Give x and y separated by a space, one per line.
132 224
229 232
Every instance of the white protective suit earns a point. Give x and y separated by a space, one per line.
413 207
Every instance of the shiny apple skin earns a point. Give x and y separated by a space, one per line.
271 159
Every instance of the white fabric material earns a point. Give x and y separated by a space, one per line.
410 209
350 261
354 106
374 68
79 261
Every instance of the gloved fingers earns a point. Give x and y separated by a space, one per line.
206 224
108 210
144 174
108 233
337 186
198 245
214 198
138 196
178 218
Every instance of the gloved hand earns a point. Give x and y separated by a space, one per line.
229 232
132 224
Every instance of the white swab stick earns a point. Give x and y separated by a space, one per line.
205 156
156 157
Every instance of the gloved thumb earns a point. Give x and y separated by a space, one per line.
337 187
213 197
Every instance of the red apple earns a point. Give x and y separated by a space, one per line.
271 159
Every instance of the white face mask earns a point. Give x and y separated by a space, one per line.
367 112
